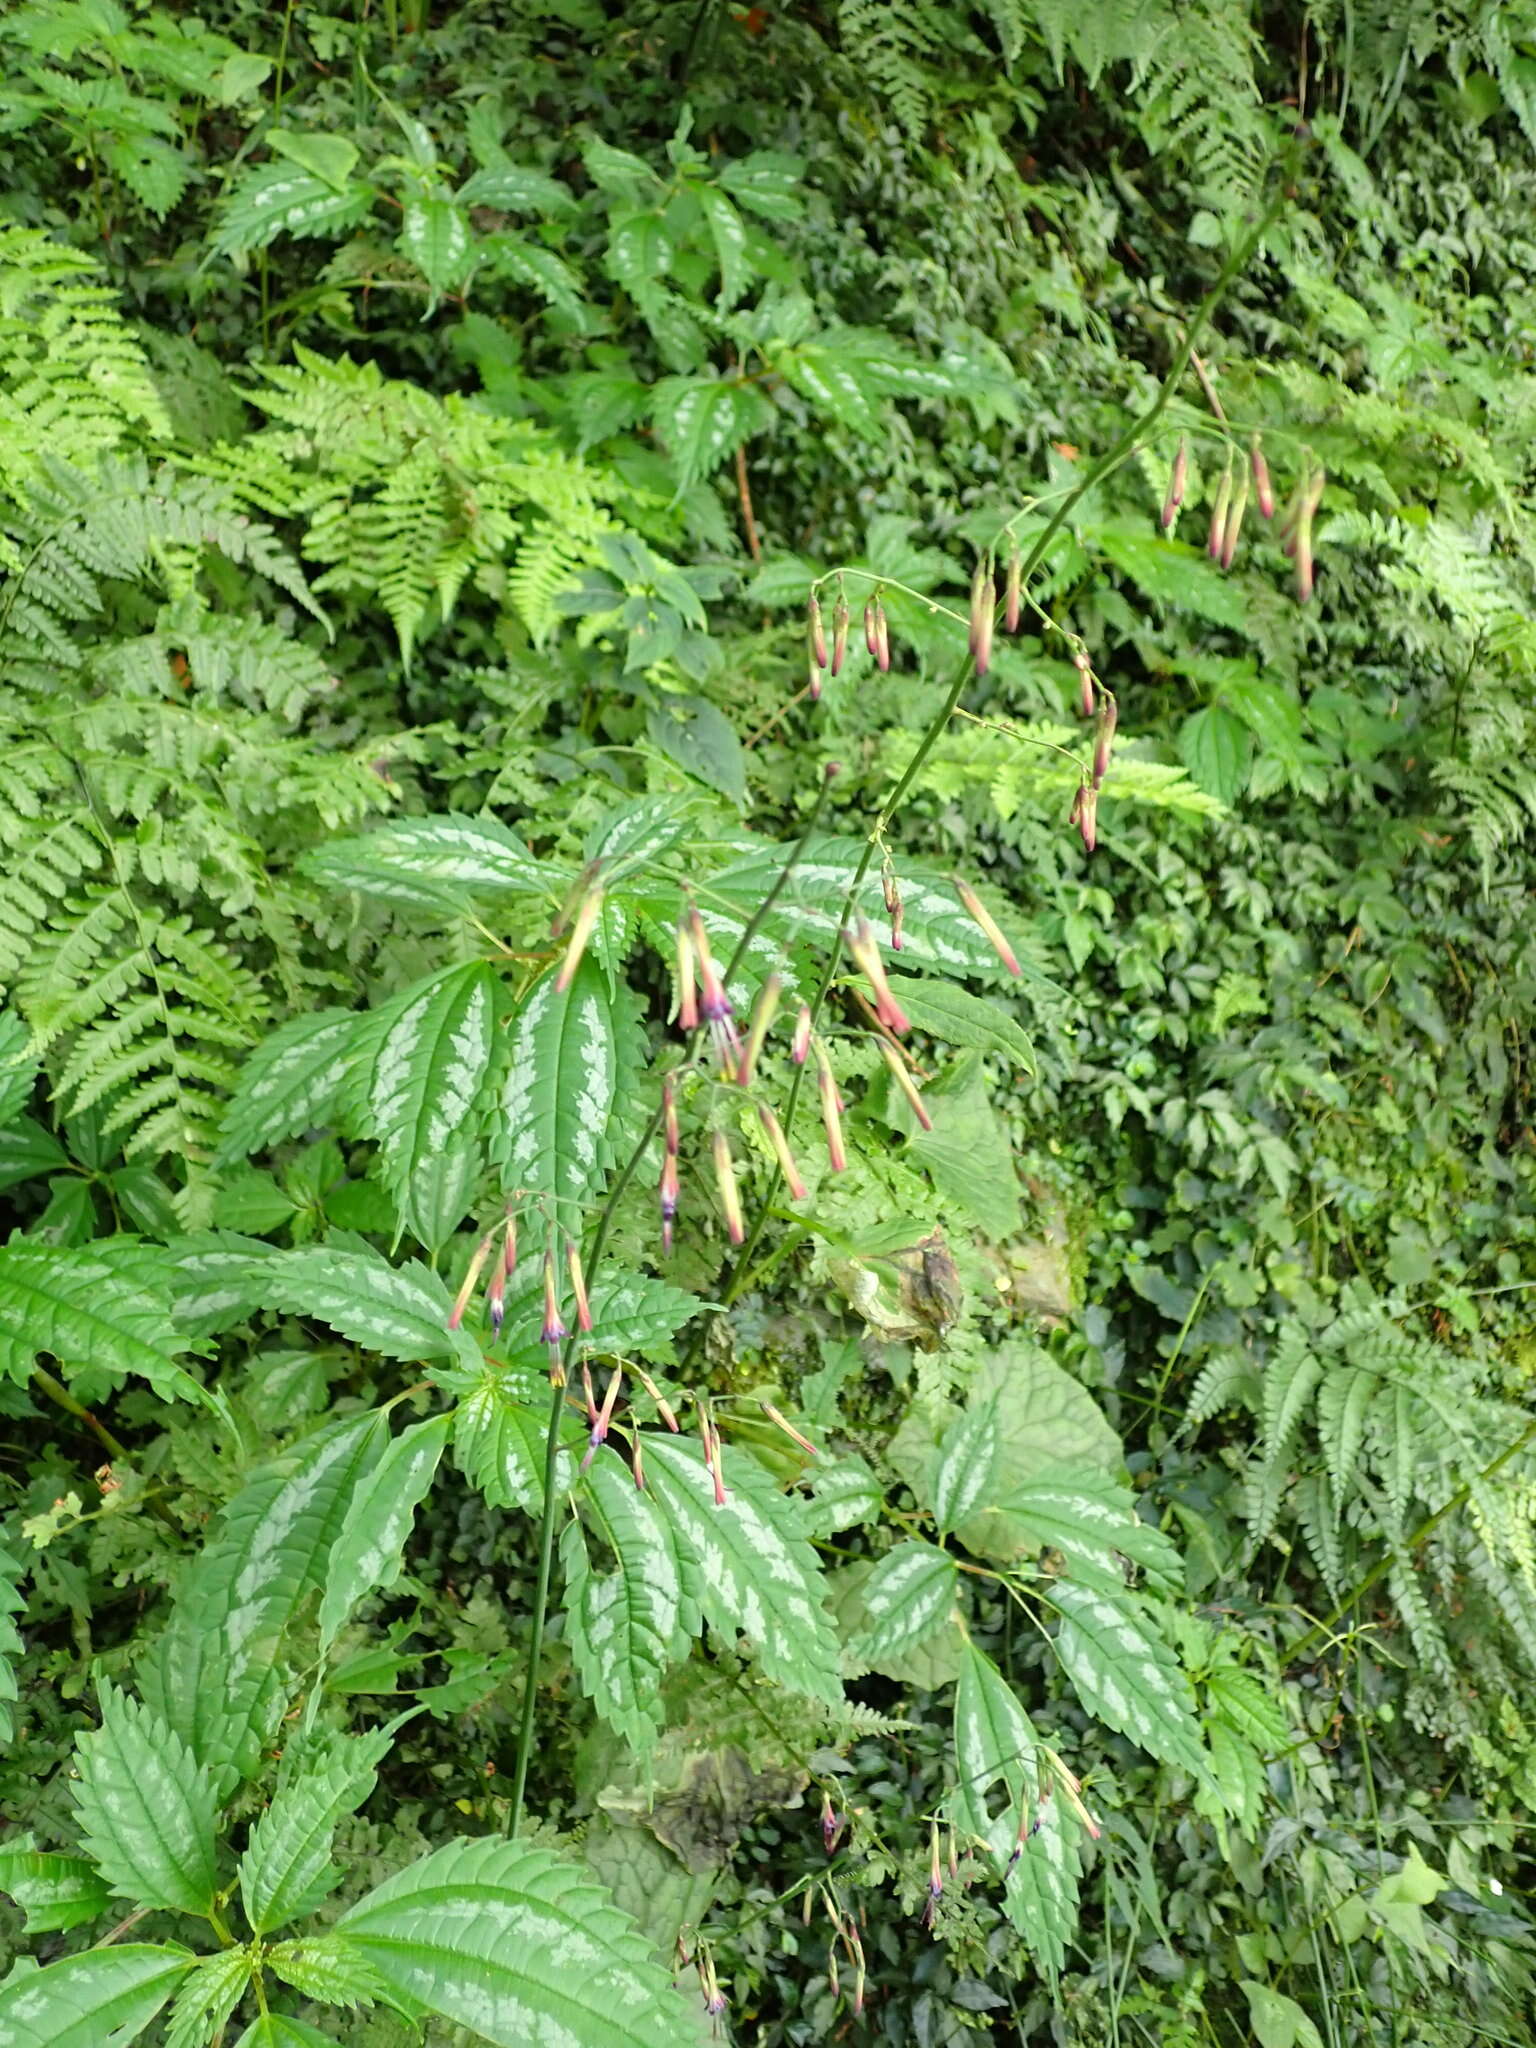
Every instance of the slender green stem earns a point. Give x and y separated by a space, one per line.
557 1390
61 1397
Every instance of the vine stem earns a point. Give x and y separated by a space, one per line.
1094 474
594 1255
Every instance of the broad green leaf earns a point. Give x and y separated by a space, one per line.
398 1311
1092 1521
286 1869
963 1466
967 1153
760 1579
995 1746
283 199
331 158
430 1064
627 839
289 1083
1125 1674
498 1439
207 1998
86 1306
639 252
768 181
28 1151
1044 1417
703 419
955 1017
844 1493
434 235
215 1673
278 2030
442 1190
55 1892
514 188
518 1945
11 1602
909 1594
1214 746
146 1808
1270 713
439 864
570 1055
634 1315
1243 1700
627 1626
699 737
1234 1786
540 270
1277 2021
839 389
616 170
728 232
327 1968
102 1999
210 1279
367 1553
19 1066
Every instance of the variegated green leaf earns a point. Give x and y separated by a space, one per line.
210 1280
1125 1674
443 864
95 1304
627 1626
55 1892
207 1998
518 1945
398 1311
995 1746
278 2030
146 1808
759 1578
215 1673
634 1315
844 1493
11 1603
289 1083
286 1869
1092 1521
499 1435
429 1067
571 1054
963 1466
327 1968
101 1999
366 1555
909 1594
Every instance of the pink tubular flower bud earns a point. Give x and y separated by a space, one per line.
782 1153
815 632
581 931
637 1463
882 637
1013 589
813 683
1109 717
871 632
832 1825
725 1180
496 1298
554 1330
714 1003
906 1084
983 615
578 1285
890 888
471 1278
839 633
663 1407
801 1044
668 1197
1263 489
1234 526
1084 669
830 1108
1176 479
509 1248
687 998
984 918
788 1428
1085 812
1218 532
866 953
763 1013
599 1430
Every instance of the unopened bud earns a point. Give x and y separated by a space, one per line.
1084 669
789 1430
725 1180
891 890
882 637
663 1407
714 1003
496 1298
509 1248
813 683
599 1432
983 614
578 1285
935 1869
471 1279
782 1153
801 1043
668 1197
581 931
832 1825
905 1083
687 997
1176 480
763 1013
1218 533
636 1462
839 632
1234 526
1085 812
1263 489
830 1101
1013 589
866 953
1109 717
984 918
554 1330
816 638
871 632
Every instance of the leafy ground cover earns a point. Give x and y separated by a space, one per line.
764 1086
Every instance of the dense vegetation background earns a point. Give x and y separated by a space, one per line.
421 429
